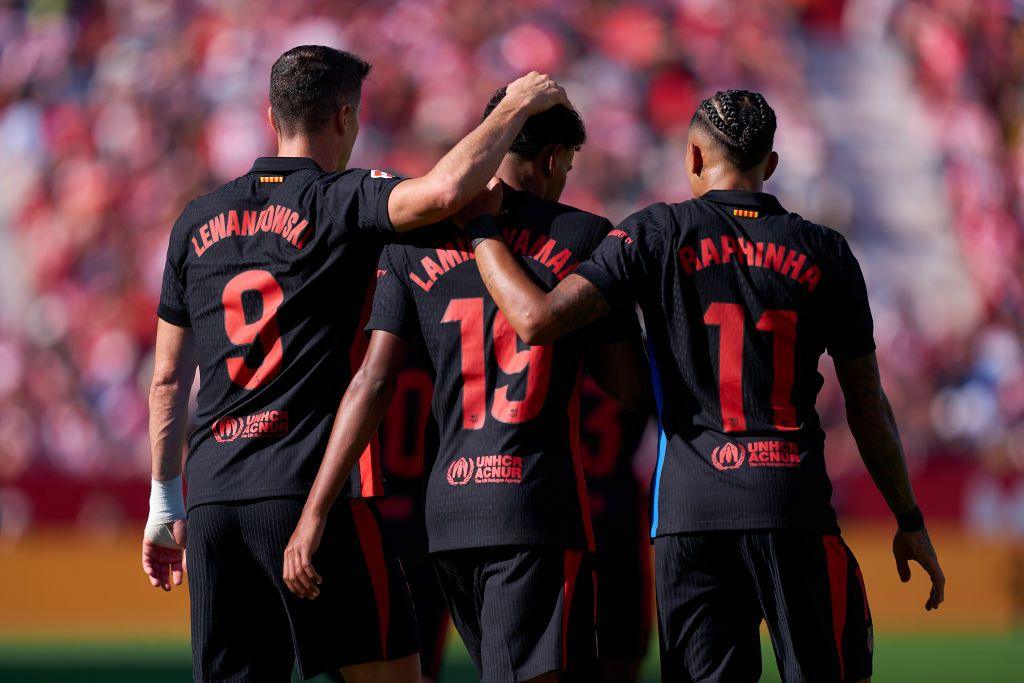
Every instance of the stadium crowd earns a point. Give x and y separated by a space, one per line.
113 114
968 58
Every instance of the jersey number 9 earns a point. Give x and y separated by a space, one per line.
265 328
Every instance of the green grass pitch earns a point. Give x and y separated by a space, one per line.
993 658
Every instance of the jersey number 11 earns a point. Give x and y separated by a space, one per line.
729 318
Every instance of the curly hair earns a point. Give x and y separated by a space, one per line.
559 125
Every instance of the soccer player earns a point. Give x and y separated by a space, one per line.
610 437
506 510
408 444
740 299
263 286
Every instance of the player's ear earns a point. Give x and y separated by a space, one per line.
549 160
273 123
342 120
694 159
773 163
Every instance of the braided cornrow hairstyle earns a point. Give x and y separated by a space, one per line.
742 122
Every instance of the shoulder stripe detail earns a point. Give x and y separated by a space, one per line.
271 178
745 213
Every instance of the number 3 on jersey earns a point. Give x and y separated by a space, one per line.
265 329
535 360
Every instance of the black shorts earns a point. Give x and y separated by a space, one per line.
247 625
522 611
715 588
409 537
624 598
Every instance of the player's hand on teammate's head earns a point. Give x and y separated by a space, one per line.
163 553
536 92
486 203
299 574
917 546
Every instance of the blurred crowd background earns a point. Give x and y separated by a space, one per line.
900 125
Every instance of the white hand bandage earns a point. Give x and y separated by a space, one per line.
166 502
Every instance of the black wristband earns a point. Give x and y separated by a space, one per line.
911 521
482 228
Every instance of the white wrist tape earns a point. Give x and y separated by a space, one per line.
166 502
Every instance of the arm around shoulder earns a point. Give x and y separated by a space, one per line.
538 317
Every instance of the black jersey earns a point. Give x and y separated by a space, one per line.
408 443
508 470
740 299
408 437
610 436
271 271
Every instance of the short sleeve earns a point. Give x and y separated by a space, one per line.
394 310
616 266
359 198
850 327
172 307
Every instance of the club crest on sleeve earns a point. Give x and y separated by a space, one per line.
381 174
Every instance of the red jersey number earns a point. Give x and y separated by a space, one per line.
265 329
535 360
729 318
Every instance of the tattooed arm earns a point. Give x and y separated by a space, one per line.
874 428
536 316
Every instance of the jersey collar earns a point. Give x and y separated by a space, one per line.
761 200
282 164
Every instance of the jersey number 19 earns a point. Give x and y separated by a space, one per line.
535 360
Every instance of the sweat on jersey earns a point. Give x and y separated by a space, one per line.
508 468
271 271
740 299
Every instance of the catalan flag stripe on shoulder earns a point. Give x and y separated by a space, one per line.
745 213
271 178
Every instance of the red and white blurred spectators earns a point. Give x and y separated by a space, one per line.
114 114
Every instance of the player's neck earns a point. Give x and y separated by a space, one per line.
522 176
304 147
732 179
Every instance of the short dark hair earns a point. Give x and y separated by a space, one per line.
742 122
309 83
558 125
